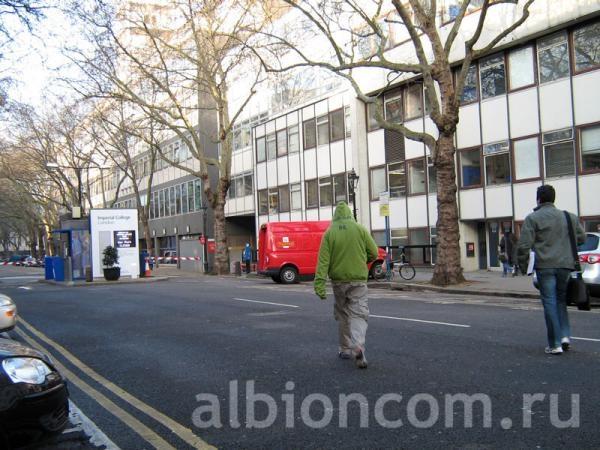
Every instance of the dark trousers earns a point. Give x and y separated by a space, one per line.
248 265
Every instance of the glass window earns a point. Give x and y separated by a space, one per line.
414 101
497 163
586 43
296 197
470 91
248 188
397 179
260 149
323 130
431 176
184 199
347 121
151 214
491 71
393 109
312 196
176 149
239 186
271 146
172 200
470 168
273 201
378 182
553 58
371 109
520 64
282 142
190 190
325 192
231 191
590 148
526 156
558 159
284 199
336 123
293 139
197 195
310 134
339 188
263 202
178 199
164 209
416 176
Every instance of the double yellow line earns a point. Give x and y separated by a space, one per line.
138 427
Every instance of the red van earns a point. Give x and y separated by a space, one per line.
289 250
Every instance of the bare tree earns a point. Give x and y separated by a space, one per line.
357 37
177 63
112 132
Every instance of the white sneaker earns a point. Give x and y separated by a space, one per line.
554 351
565 343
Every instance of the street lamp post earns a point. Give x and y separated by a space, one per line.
352 184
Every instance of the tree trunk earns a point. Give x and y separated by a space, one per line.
447 270
222 249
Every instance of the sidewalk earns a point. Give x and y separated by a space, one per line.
481 282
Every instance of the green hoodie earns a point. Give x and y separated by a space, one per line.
346 248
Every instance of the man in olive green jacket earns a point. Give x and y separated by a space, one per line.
345 250
546 232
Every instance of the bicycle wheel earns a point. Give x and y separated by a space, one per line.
407 271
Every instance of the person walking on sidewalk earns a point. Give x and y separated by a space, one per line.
545 231
247 257
346 248
508 247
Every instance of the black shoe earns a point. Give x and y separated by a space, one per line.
360 359
565 344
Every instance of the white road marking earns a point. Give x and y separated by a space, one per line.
81 421
422 321
27 288
31 277
586 339
266 303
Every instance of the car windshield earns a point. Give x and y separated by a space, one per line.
590 244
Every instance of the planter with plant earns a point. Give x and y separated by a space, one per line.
110 260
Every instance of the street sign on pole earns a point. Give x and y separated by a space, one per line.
384 204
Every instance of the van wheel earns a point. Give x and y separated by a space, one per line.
288 275
376 271
276 278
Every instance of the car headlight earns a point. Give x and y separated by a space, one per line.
26 370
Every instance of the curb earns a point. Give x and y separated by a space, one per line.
104 282
428 287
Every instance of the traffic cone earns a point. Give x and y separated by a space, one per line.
147 272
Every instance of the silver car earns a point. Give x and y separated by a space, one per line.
8 313
589 258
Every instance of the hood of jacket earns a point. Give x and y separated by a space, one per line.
342 212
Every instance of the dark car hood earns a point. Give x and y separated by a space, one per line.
10 348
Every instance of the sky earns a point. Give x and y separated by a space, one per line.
35 61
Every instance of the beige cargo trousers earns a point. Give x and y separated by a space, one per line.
351 310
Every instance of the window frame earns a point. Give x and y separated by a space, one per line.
368 108
579 153
405 96
323 182
281 150
313 126
271 138
389 185
477 98
314 182
410 162
557 142
332 114
323 122
514 160
537 56
488 58
264 153
262 193
506 153
534 67
297 140
397 96
295 187
374 196
460 167
571 43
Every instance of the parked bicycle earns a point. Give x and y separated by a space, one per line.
398 267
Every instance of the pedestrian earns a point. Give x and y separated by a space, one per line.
546 232
346 248
247 256
507 253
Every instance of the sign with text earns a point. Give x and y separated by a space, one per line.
124 239
384 204
117 228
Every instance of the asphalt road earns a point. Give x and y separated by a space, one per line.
242 363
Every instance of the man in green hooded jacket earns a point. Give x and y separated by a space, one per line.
345 250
